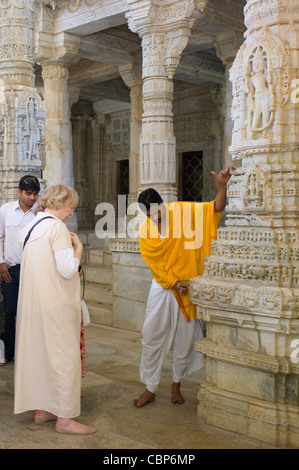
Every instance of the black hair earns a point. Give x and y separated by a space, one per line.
29 183
149 196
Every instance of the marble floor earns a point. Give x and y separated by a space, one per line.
110 385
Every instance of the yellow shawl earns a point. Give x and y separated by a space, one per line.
180 255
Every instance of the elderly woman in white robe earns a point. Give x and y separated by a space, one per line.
47 355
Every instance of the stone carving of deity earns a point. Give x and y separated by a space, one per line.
32 132
254 196
260 90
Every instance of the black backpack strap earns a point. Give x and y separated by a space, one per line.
36 223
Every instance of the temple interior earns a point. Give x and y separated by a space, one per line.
111 97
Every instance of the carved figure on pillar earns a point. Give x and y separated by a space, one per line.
260 89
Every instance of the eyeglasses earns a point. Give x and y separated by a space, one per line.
29 179
27 182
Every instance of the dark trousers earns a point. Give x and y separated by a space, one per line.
10 292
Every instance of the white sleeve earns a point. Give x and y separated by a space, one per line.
2 236
67 264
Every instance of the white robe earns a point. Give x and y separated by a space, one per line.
47 353
165 325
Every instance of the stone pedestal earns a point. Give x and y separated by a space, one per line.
249 294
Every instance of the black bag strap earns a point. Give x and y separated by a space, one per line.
83 281
36 223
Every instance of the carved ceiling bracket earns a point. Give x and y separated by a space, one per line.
172 22
62 47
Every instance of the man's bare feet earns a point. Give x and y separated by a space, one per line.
146 397
176 395
70 426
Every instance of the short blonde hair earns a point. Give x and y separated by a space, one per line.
58 196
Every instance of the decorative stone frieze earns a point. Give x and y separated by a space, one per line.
125 245
259 13
200 67
80 14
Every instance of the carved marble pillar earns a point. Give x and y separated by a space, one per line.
73 97
164 31
131 75
58 165
227 46
157 147
99 124
81 136
22 114
249 294
55 52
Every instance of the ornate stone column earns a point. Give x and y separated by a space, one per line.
84 211
22 114
98 125
227 46
165 31
131 75
58 165
73 97
249 294
55 52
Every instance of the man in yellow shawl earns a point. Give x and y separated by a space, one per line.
174 240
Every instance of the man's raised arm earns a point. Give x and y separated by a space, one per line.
222 178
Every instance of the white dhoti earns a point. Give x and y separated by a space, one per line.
165 325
